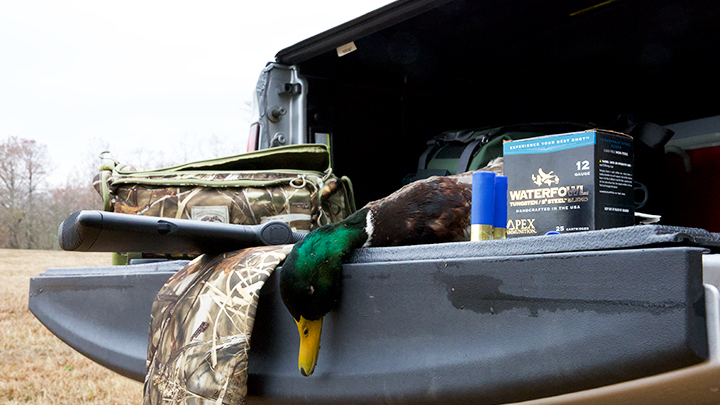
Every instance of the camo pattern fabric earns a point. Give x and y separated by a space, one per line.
304 200
200 328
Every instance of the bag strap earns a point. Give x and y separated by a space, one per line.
651 134
467 154
106 170
422 162
349 194
107 201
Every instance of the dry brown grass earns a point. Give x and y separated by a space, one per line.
35 366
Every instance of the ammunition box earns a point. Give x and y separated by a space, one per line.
570 182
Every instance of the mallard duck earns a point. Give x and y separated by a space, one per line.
432 210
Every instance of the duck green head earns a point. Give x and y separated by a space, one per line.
310 280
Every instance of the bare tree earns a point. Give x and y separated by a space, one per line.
23 171
35 160
11 196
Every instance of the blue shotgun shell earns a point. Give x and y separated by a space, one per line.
500 221
483 205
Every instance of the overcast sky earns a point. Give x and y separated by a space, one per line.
143 74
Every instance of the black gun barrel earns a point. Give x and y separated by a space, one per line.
100 231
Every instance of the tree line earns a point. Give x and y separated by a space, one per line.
31 209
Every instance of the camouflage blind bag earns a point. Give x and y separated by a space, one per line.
293 184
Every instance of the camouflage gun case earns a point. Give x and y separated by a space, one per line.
293 184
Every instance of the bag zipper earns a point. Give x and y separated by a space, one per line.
302 175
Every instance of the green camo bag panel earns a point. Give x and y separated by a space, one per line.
246 189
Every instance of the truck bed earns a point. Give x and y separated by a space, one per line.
601 313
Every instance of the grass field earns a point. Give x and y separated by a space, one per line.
35 366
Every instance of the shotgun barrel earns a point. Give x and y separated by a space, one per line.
100 231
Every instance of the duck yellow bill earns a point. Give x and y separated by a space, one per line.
309 344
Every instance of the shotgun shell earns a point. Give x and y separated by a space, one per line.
483 206
500 222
